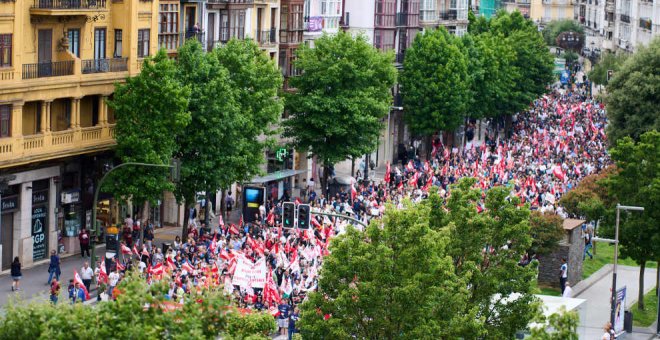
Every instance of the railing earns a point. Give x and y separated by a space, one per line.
7 75
268 37
69 4
111 131
193 34
399 58
91 133
33 142
402 19
449 15
51 69
6 145
226 33
62 137
625 18
104 65
231 1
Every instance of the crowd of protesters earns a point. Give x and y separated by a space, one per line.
554 144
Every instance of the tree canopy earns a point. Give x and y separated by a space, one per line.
637 183
148 107
341 96
609 61
141 311
416 278
435 83
554 28
633 103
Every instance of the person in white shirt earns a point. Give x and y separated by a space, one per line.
568 291
86 274
113 279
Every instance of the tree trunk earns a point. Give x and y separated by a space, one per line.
186 218
352 166
640 298
207 209
324 179
223 206
657 278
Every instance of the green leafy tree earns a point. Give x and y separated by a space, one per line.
491 73
609 61
415 278
435 83
637 183
342 95
148 108
558 326
556 27
633 103
546 230
141 311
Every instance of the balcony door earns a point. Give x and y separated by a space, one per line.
211 34
45 52
100 65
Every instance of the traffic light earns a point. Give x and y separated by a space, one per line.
288 215
303 216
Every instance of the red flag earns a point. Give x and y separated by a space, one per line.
400 186
240 221
135 251
413 180
157 269
125 250
298 201
76 278
557 171
145 252
270 219
120 266
353 191
170 264
387 173
103 275
410 166
233 229
187 267
224 254
221 222
214 244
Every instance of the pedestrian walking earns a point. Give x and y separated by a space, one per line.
54 291
588 242
54 267
563 274
16 274
86 274
83 237
77 294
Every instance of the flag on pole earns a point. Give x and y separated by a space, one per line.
125 250
233 229
353 191
77 279
387 173
187 267
135 251
103 275
240 221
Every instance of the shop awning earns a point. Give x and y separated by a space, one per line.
276 176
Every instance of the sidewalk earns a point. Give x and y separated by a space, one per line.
33 283
596 290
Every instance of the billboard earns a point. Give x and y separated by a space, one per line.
619 307
253 197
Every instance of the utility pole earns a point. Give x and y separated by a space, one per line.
176 166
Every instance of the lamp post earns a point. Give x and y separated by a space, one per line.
619 207
95 230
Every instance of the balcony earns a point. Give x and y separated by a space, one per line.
56 144
625 18
401 19
267 38
227 33
452 14
104 65
66 7
51 69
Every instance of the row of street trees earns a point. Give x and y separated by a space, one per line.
496 70
214 111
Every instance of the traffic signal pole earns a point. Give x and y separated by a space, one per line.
97 190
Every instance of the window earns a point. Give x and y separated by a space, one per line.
384 39
385 13
74 41
143 43
5 121
99 43
168 27
428 10
119 39
5 50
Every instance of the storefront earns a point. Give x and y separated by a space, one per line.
10 205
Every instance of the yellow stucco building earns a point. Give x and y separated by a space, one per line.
550 10
59 61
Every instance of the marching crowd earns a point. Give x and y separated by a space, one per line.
262 266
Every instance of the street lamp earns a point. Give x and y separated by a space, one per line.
619 207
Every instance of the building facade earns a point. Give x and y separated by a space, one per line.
543 11
59 61
452 14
